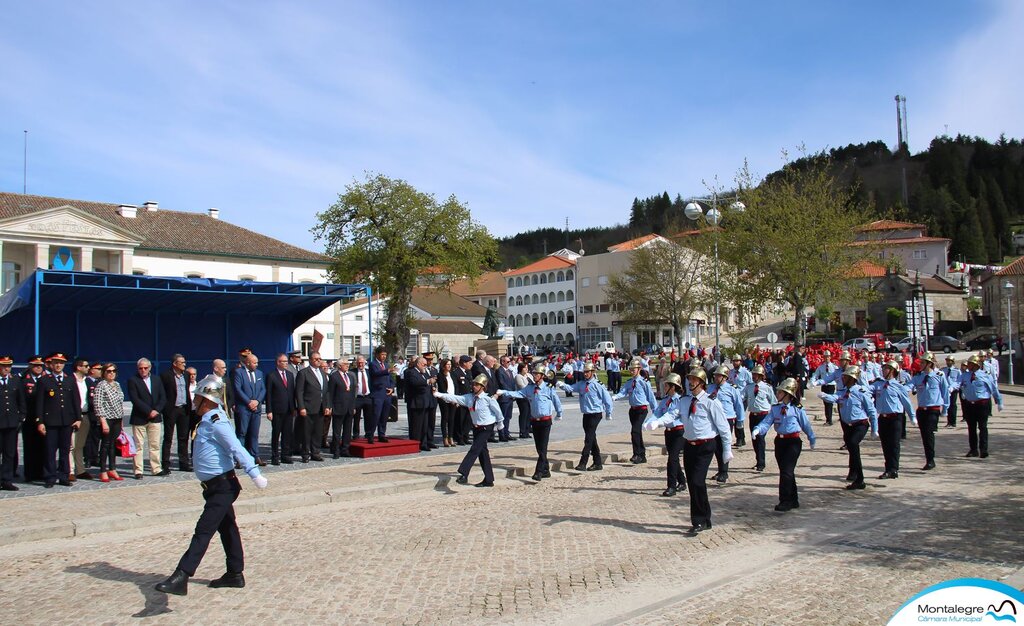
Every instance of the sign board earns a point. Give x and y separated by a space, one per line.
772 337
920 318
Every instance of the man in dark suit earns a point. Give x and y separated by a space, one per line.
341 387
281 411
463 380
418 387
250 392
312 401
12 413
363 407
176 413
505 379
480 365
33 444
430 425
382 387
148 404
59 407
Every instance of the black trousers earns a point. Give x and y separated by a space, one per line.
430 426
590 447
853 434
479 451
696 461
506 416
636 431
417 423
787 451
757 442
91 449
362 410
614 381
674 471
951 411
108 447
889 433
976 415
524 416
829 407
281 429
33 448
341 431
723 468
463 425
176 418
541 433
218 516
447 419
927 421
903 426
58 445
311 429
8 453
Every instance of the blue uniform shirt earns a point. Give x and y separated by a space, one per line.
953 375
483 409
216 448
855 404
667 413
823 371
932 390
787 419
891 397
638 391
740 378
594 397
731 399
703 418
612 364
978 385
544 401
759 397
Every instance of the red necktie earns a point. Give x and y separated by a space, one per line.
344 376
586 388
756 389
362 377
693 406
284 379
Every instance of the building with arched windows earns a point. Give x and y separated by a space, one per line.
541 297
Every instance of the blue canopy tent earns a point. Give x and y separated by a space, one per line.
120 318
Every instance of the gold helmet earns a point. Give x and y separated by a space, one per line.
974 360
481 380
845 355
826 353
699 374
721 370
674 379
634 364
893 365
540 369
588 367
991 352
950 359
788 386
981 354
737 357
758 369
852 371
928 356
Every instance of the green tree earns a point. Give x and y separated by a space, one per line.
795 242
970 238
384 232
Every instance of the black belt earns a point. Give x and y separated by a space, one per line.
216 479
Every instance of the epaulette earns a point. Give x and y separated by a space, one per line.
214 418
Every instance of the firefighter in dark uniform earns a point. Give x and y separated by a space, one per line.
12 414
33 445
59 410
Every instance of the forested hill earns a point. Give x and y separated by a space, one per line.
963 188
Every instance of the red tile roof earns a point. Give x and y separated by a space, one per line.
898 242
546 264
489 283
888 225
171 231
633 244
1015 268
865 269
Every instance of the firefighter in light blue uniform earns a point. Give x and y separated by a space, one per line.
759 397
892 401
485 414
544 404
595 402
952 374
978 391
667 412
732 408
641 400
857 414
788 418
932 390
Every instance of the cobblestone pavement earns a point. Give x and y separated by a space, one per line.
581 548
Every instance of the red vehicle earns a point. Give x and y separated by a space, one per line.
881 343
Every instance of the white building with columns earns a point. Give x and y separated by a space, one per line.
64 234
541 301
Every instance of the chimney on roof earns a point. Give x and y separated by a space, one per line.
215 213
151 205
127 210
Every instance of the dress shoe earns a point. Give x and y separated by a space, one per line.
642 460
828 423
84 476
229 579
850 477
784 507
176 584
287 460
842 447
633 459
525 437
336 455
137 477
546 474
64 483
484 483
49 484
984 455
72 477
383 439
856 485
759 468
184 468
115 476
722 478
104 478
581 467
537 476
972 453
305 459
424 448
596 467
950 425
261 462
369 440
928 466
492 440
696 529
275 461
668 493
8 486
316 457
432 446
164 472
462 480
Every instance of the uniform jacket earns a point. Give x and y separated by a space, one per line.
58 404
13 403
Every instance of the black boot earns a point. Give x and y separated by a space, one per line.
177 584
229 579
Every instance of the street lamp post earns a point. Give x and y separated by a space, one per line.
1008 287
694 211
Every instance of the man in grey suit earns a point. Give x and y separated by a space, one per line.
341 388
313 405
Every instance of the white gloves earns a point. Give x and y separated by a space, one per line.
650 425
558 418
728 457
260 481
608 417
874 435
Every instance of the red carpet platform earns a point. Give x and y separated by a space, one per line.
394 446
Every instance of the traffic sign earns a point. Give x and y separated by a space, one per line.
772 337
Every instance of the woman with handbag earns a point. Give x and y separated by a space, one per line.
109 399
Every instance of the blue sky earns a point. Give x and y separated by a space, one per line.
530 111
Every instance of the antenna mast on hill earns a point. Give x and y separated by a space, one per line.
903 136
